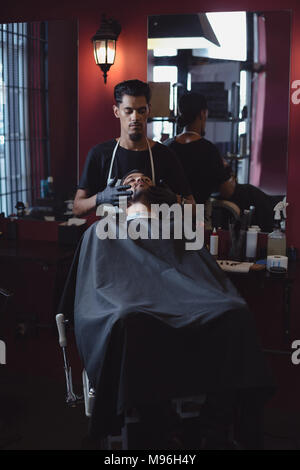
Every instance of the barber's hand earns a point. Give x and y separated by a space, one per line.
111 194
162 194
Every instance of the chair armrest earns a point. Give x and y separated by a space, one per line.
60 322
5 292
231 206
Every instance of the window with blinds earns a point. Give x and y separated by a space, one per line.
24 142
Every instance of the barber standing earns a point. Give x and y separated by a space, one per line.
206 170
200 158
106 163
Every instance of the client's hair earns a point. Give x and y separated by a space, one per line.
190 106
132 88
129 173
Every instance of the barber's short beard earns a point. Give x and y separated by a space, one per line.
135 137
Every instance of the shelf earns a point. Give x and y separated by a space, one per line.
161 119
225 120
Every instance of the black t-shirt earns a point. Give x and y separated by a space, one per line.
166 167
203 166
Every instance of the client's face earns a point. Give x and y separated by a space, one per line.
139 183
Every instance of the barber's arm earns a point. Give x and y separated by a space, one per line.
163 194
85 197
227 188
187 199
83 204
178 177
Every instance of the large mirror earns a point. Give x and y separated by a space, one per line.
38 116
240 61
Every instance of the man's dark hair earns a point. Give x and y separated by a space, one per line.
132 88
190 105
129 173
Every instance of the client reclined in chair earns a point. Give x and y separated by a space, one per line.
154 321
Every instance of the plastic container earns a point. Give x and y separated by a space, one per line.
277 239
276 243
44 189
50 186
251 243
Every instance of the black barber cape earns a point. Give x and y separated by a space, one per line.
154 321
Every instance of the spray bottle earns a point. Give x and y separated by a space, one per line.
276 239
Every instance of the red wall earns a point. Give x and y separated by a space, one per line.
62 74
274 144
131 62
96 121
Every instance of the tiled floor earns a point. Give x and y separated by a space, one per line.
33 414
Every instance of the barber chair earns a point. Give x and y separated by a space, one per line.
119 442
4 297
186 408
223 213
8 435
71 398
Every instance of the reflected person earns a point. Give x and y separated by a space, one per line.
205 169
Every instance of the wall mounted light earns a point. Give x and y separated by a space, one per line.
104 43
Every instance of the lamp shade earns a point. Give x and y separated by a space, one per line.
176 28
105 51
104 43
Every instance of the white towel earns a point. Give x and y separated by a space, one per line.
234 266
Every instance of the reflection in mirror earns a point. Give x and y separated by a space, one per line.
244 75
38 117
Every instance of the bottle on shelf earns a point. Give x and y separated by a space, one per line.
50 187
251 242
276 239
20 206
44 189
214 243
